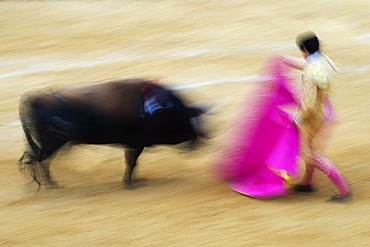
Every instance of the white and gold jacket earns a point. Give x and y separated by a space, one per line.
316 79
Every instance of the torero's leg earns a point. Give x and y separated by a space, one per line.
317 160
325 165
308 174
305 184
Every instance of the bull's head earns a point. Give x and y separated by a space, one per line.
198 125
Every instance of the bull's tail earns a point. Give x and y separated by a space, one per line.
33 153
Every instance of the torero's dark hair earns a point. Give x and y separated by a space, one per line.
308 41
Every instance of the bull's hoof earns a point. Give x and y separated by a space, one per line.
137 183
128 186
140 180
51 186
46 184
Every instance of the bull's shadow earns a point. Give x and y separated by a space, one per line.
103 176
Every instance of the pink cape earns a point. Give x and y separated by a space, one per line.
264 150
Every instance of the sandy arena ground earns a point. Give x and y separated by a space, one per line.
186 42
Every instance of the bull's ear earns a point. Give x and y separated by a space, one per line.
204 109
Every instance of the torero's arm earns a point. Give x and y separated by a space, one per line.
293 62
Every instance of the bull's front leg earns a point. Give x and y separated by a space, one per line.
131 156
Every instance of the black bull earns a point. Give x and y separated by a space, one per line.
109 112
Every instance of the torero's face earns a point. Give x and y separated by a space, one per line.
305 53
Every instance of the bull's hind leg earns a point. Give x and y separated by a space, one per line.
45 162
131 155
40 173
39 167
30 162
49 181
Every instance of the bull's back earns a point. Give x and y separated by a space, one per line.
116 100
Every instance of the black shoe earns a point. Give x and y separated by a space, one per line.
345 197
303 188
